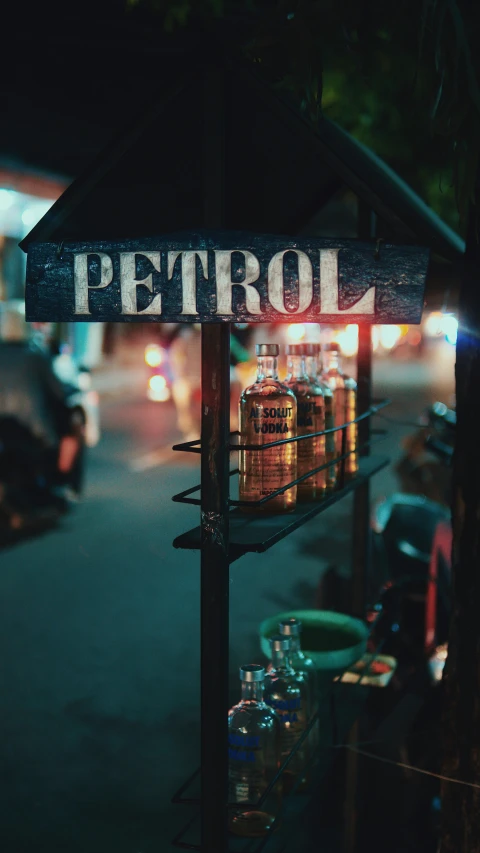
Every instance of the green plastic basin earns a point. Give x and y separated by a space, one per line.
333 640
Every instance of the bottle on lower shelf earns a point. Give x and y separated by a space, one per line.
304 666
287 693
253 757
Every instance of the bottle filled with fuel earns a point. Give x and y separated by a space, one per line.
312 369
268 413
310 419
344 390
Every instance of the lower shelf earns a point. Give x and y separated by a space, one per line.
258 533
340 705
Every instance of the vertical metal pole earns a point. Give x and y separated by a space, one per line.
361 537
214 507
361 506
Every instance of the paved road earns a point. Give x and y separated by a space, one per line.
99 634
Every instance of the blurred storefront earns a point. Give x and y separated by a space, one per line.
24 198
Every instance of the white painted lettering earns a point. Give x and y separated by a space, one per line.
80 278
188 277
223 271
276 294
329 288
129 284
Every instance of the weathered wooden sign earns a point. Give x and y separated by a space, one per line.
207 277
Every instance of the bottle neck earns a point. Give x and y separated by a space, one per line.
295 645
311 366
331 361
296 367
252 691
267 367
281 660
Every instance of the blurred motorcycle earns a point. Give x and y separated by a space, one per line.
33 484
412 542
80 396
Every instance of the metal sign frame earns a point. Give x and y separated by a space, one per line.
211 276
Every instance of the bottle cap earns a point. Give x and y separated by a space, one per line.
305 349
290 627
312 349
295 349
333 347
267 349
279 643
252 672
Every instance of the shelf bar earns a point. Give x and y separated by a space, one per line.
178 840
178 797
189 446
259 532
344 455
194 446
372 410
182 497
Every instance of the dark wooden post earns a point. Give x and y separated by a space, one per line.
461 720
214 509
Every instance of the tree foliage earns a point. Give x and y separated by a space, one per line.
402 77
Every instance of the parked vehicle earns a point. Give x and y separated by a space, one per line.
33 489
412 541
80 394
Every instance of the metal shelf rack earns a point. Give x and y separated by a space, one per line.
258 534
335 719
225 534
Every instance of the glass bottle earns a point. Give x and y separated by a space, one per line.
253 756
344 391
310 418
287 693
268 412
312 369
304 666
299 661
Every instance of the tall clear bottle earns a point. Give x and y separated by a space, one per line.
287 693
344 391
310 419
304 666
312 369
253 756
299 661
268 412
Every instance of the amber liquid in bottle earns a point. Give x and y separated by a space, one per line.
310 419
268 412
344 391
312 371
